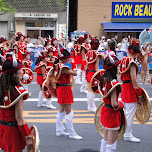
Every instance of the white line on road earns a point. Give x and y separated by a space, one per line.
75 99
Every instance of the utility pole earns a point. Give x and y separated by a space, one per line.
67 25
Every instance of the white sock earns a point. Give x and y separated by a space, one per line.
111 148
103 145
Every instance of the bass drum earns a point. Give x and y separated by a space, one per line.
100 127
45 90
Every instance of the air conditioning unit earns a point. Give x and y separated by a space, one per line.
49 24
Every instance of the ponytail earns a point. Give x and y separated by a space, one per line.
38 61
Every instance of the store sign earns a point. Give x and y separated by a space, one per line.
35 15
131 9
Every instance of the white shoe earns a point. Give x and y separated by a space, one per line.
132 139
92 110
41 105
76 137
62 134
51 106
83 91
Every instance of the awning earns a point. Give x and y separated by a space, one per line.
125 27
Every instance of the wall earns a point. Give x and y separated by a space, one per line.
91 13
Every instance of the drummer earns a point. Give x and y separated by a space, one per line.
111 111
14 131
132 92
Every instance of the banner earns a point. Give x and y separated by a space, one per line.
131 9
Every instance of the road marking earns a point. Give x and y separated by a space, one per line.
80 116
75 99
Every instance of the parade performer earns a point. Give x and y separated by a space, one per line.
41 64
21 45
85 47
14 131
64 95
92 62
132 92
54 44
4 46
111 111
47 43
78 58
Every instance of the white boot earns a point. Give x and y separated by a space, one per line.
103 145
78 77
111 148
83 85
91 102
49 104
41 99
59 125
70 128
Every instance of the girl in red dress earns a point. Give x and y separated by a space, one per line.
132 92
54 43
14 131
47 43
92 64
110 113
41 64
64 95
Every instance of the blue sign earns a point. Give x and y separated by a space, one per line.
131 9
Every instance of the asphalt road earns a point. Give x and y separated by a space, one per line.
45 120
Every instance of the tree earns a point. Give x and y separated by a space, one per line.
5 7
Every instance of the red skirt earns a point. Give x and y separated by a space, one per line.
11 139
40 79
89 75
110 118
128 94
65 95
78 59
55 54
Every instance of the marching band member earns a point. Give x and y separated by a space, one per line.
47 43
14 131
92 63
64 95
41 64
132 92
85 47
111 111
78 58
54 44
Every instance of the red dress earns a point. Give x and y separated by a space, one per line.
11 139
56 48
91 58
40 79
27 63
77 54
128 94
64 93
109 117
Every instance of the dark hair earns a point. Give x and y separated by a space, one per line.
112 45
94 44
38 59
69 39
134 47
7 82
109 74
2 39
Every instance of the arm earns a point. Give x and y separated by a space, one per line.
114 102
136 86
70 72
43 72
97 64
84 59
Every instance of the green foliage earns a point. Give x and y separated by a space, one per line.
6 7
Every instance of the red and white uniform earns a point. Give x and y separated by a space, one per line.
91 58
64 93
27 63
56 49
11 139
77 54
110 118
128 94
40 79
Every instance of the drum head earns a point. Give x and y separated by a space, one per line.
36 140
100 127
143 109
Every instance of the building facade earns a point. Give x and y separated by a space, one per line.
109 17
35 18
